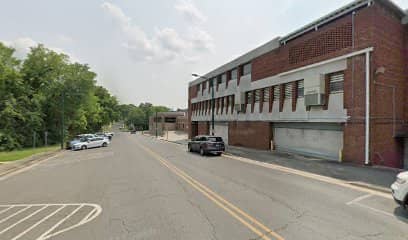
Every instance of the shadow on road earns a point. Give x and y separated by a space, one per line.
401 214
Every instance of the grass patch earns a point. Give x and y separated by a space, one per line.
23 153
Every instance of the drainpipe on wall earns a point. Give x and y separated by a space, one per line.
367 113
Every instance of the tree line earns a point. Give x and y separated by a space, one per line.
46 96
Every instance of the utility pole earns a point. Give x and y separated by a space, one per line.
155 119
62 118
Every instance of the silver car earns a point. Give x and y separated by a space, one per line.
91 143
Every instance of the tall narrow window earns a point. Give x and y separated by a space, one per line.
224 78
257 95
219 80
234 74
301 89
276 93
249 97
266 94
247 69
288 90
336 81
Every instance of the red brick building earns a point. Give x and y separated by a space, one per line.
336 88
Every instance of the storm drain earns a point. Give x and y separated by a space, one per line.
43 221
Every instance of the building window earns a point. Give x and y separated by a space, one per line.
204 85
276 93
224 78
336 82
288 90
198 87
247 69
234 74
257 95
301 89
213 81
266 94
249 97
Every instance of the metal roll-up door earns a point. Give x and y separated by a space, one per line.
324 140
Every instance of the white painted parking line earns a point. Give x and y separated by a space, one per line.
14 214
44 235
375 210
359 199
22 220
6 209
24 224
37 223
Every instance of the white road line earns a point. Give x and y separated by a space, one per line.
5 210
309 175
88 215
98 211
14 214
37 223
44 235
375 209
359 199
23 219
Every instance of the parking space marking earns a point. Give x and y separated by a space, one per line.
25 224
5 210
22 220
359 199
14 214
309 175
374 209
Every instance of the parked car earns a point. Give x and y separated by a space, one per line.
91 143
104 135
77 139
207 145
400 189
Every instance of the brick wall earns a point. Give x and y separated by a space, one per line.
203 128
250 134
378 27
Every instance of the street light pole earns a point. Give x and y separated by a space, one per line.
62 118
212 100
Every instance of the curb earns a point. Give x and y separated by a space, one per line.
370 186
353 183
26 162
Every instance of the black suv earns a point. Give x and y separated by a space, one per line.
207 144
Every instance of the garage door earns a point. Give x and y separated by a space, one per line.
312 139
221 129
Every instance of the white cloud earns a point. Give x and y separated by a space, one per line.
166 44
201 40
23 46
117 13
190 12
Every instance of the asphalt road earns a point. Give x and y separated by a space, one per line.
142 188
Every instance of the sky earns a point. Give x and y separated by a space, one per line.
146 51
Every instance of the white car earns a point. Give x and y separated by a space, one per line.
91 143
400 189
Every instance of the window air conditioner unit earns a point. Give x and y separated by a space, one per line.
315 90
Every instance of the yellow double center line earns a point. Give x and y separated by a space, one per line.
250 222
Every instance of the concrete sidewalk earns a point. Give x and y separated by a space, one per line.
371 177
